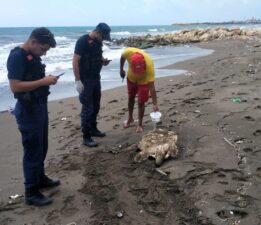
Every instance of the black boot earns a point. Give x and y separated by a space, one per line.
46 182
34 197
95 132
88 141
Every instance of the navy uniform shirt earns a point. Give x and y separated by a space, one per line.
90 51
16 64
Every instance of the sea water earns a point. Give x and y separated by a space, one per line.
59 59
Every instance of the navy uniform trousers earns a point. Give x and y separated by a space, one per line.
90 99
32 120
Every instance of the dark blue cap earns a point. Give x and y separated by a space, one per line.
105 31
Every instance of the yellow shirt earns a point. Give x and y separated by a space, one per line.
145 78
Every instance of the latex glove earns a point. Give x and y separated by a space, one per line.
79 86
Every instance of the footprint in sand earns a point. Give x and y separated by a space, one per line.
257 133
242 93
199 83
258 170
112 101
242 83
249 118
247 150
203 139
68 208
226 214
116 126
53 217
171 91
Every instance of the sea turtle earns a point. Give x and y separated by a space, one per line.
159 144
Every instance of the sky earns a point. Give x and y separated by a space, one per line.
31 13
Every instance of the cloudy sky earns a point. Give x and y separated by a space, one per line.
26 13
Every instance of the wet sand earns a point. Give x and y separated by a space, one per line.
215 179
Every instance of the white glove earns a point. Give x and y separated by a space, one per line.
79 86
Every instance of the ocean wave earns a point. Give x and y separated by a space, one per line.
112 54
10 45
121 33
153 30
61 38
58 66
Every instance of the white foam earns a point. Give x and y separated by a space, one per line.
122 33
153 30
61 38
112 53
10 45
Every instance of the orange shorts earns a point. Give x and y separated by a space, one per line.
141 90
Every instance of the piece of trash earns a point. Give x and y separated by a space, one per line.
120 214
161 172
229 142
236 100
15 196
64 118
239 142
72 223
197 111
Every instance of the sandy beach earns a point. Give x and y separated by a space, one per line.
214 108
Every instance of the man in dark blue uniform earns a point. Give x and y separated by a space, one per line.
87 65
26 74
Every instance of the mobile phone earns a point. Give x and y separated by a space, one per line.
60 74
107 60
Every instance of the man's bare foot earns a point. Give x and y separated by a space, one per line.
127 123
139 129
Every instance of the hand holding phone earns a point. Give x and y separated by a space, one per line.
60 74
106 61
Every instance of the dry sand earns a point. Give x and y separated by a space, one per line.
215 179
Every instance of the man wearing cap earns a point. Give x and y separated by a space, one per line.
140 82
87 65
